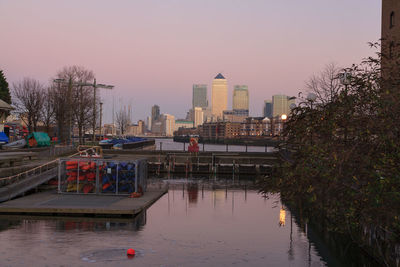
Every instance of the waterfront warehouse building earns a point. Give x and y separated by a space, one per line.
199 98
219 96
241 98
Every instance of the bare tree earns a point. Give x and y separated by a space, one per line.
29 100
73 100
48 108
83 114
325 85
122 120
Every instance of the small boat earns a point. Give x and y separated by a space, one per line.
15 145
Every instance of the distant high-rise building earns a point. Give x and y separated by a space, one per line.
280 105
155 113
198 116
148 123
141 127
219 96
199 98
240 98
267 109
168 124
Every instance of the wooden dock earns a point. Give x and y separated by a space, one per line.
54 204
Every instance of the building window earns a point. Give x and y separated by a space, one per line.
392 19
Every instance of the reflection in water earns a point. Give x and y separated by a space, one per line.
282 217
134 224
193 191
222 225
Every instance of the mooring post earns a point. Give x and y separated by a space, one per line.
203 147
184 148
160 146
246 148
266 150
226 147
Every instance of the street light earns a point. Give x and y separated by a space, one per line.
95 86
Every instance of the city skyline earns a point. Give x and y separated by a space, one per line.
153 52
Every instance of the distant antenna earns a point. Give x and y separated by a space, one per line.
113 111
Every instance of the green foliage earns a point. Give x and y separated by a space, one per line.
347 152
4 90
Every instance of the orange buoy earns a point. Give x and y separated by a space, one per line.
131 252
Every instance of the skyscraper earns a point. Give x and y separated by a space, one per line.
267 109
198 116
199 98
280 105
241 99
155 113
219 96
168 124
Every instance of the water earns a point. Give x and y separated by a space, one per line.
194 224
169 144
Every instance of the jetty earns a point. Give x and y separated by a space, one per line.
54 204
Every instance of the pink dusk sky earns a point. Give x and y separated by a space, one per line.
153 51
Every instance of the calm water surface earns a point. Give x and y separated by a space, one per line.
191 225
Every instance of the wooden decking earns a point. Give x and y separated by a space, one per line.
54 204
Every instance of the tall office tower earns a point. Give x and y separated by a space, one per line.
280 105
198 116
267 109
219 96
168 124
148 123
199 98
155 113
241 99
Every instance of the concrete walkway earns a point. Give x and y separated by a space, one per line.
52 203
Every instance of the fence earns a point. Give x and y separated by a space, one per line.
100 176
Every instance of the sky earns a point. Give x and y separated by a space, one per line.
153 51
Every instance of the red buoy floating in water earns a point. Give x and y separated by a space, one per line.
131 252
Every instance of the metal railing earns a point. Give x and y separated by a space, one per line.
34 171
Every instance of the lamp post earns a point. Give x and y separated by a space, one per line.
311 97
283 119
95 86
101 116
345 79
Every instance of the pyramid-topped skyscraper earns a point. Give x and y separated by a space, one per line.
219 96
